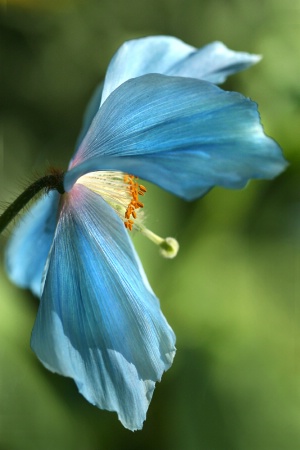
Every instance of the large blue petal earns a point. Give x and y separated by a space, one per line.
183 134
170 56
29 246
99 321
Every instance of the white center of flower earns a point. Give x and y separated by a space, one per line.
122 191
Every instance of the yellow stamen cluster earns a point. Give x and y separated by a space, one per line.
121 192
135 189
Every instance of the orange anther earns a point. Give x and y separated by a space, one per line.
134 190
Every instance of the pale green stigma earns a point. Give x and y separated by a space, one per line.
168 247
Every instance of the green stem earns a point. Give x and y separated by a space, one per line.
48 182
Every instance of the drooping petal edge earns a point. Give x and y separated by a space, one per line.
99 321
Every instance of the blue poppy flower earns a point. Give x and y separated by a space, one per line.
159 116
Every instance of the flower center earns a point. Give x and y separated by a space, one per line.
121 191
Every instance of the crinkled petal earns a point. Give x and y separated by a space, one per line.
29 246
99 321
170 56
183 134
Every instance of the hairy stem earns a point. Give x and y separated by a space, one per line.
48 182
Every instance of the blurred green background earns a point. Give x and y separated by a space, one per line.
231 295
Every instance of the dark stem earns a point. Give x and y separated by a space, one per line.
48 182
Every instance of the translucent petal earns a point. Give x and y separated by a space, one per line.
183 134
170 56
29 246
99 321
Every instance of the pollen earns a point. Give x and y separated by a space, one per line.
134 189
122 192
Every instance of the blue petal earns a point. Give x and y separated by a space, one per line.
183 134
29 246
213 63
99 321
170 56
